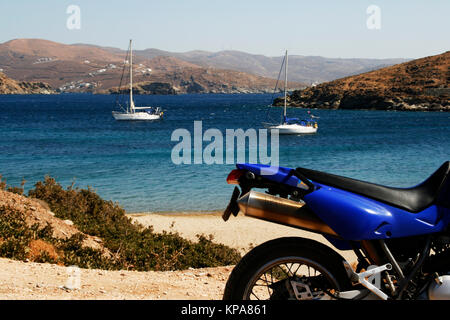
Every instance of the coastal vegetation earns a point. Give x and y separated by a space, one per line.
28 232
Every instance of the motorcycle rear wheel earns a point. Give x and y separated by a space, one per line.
287 268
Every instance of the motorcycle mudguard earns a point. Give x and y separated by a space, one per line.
355 217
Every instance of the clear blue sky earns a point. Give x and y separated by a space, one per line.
409 29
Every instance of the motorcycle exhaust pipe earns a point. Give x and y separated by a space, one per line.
283 211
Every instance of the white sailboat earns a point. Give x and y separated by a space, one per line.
136 113
292 125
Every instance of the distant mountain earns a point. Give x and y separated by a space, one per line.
304 69
172 76
60 65
90 68
9 86
421 84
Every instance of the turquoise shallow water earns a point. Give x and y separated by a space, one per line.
75 138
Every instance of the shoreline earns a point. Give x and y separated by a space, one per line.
138 94
177 213
313 105
242 232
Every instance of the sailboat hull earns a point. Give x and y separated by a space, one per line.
135 116
131 114
293 129
287 126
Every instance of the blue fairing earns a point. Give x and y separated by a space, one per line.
355 217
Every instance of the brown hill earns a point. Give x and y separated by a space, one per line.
421 84
171 76
86 68
46 48
9 86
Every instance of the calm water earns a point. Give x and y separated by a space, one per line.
75 138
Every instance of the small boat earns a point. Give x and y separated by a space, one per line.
295 128
292 125
132 112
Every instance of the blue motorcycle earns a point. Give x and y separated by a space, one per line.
400 236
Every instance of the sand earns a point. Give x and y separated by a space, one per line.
241 232
27 280
43 281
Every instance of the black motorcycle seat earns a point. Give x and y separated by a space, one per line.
413 199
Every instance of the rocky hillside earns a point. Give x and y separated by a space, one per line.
421 84
173 76
87 68
37 216
9 86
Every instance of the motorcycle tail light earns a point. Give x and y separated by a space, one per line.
234 176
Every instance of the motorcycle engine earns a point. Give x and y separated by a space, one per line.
434 287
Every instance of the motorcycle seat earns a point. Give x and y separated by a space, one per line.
413 199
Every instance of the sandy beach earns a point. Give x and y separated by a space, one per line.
43 281
28 280
241 232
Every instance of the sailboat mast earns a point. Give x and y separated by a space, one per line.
131 79
285 85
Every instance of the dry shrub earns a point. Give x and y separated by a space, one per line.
134 246
42 251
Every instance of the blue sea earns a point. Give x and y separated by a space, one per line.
74 138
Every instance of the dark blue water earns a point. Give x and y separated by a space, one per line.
75 138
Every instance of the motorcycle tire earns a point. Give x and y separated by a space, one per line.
286 250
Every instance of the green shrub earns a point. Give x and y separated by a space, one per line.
14 234
134 247
16 237
45 257
83 257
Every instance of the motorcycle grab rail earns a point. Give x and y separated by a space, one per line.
296 173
